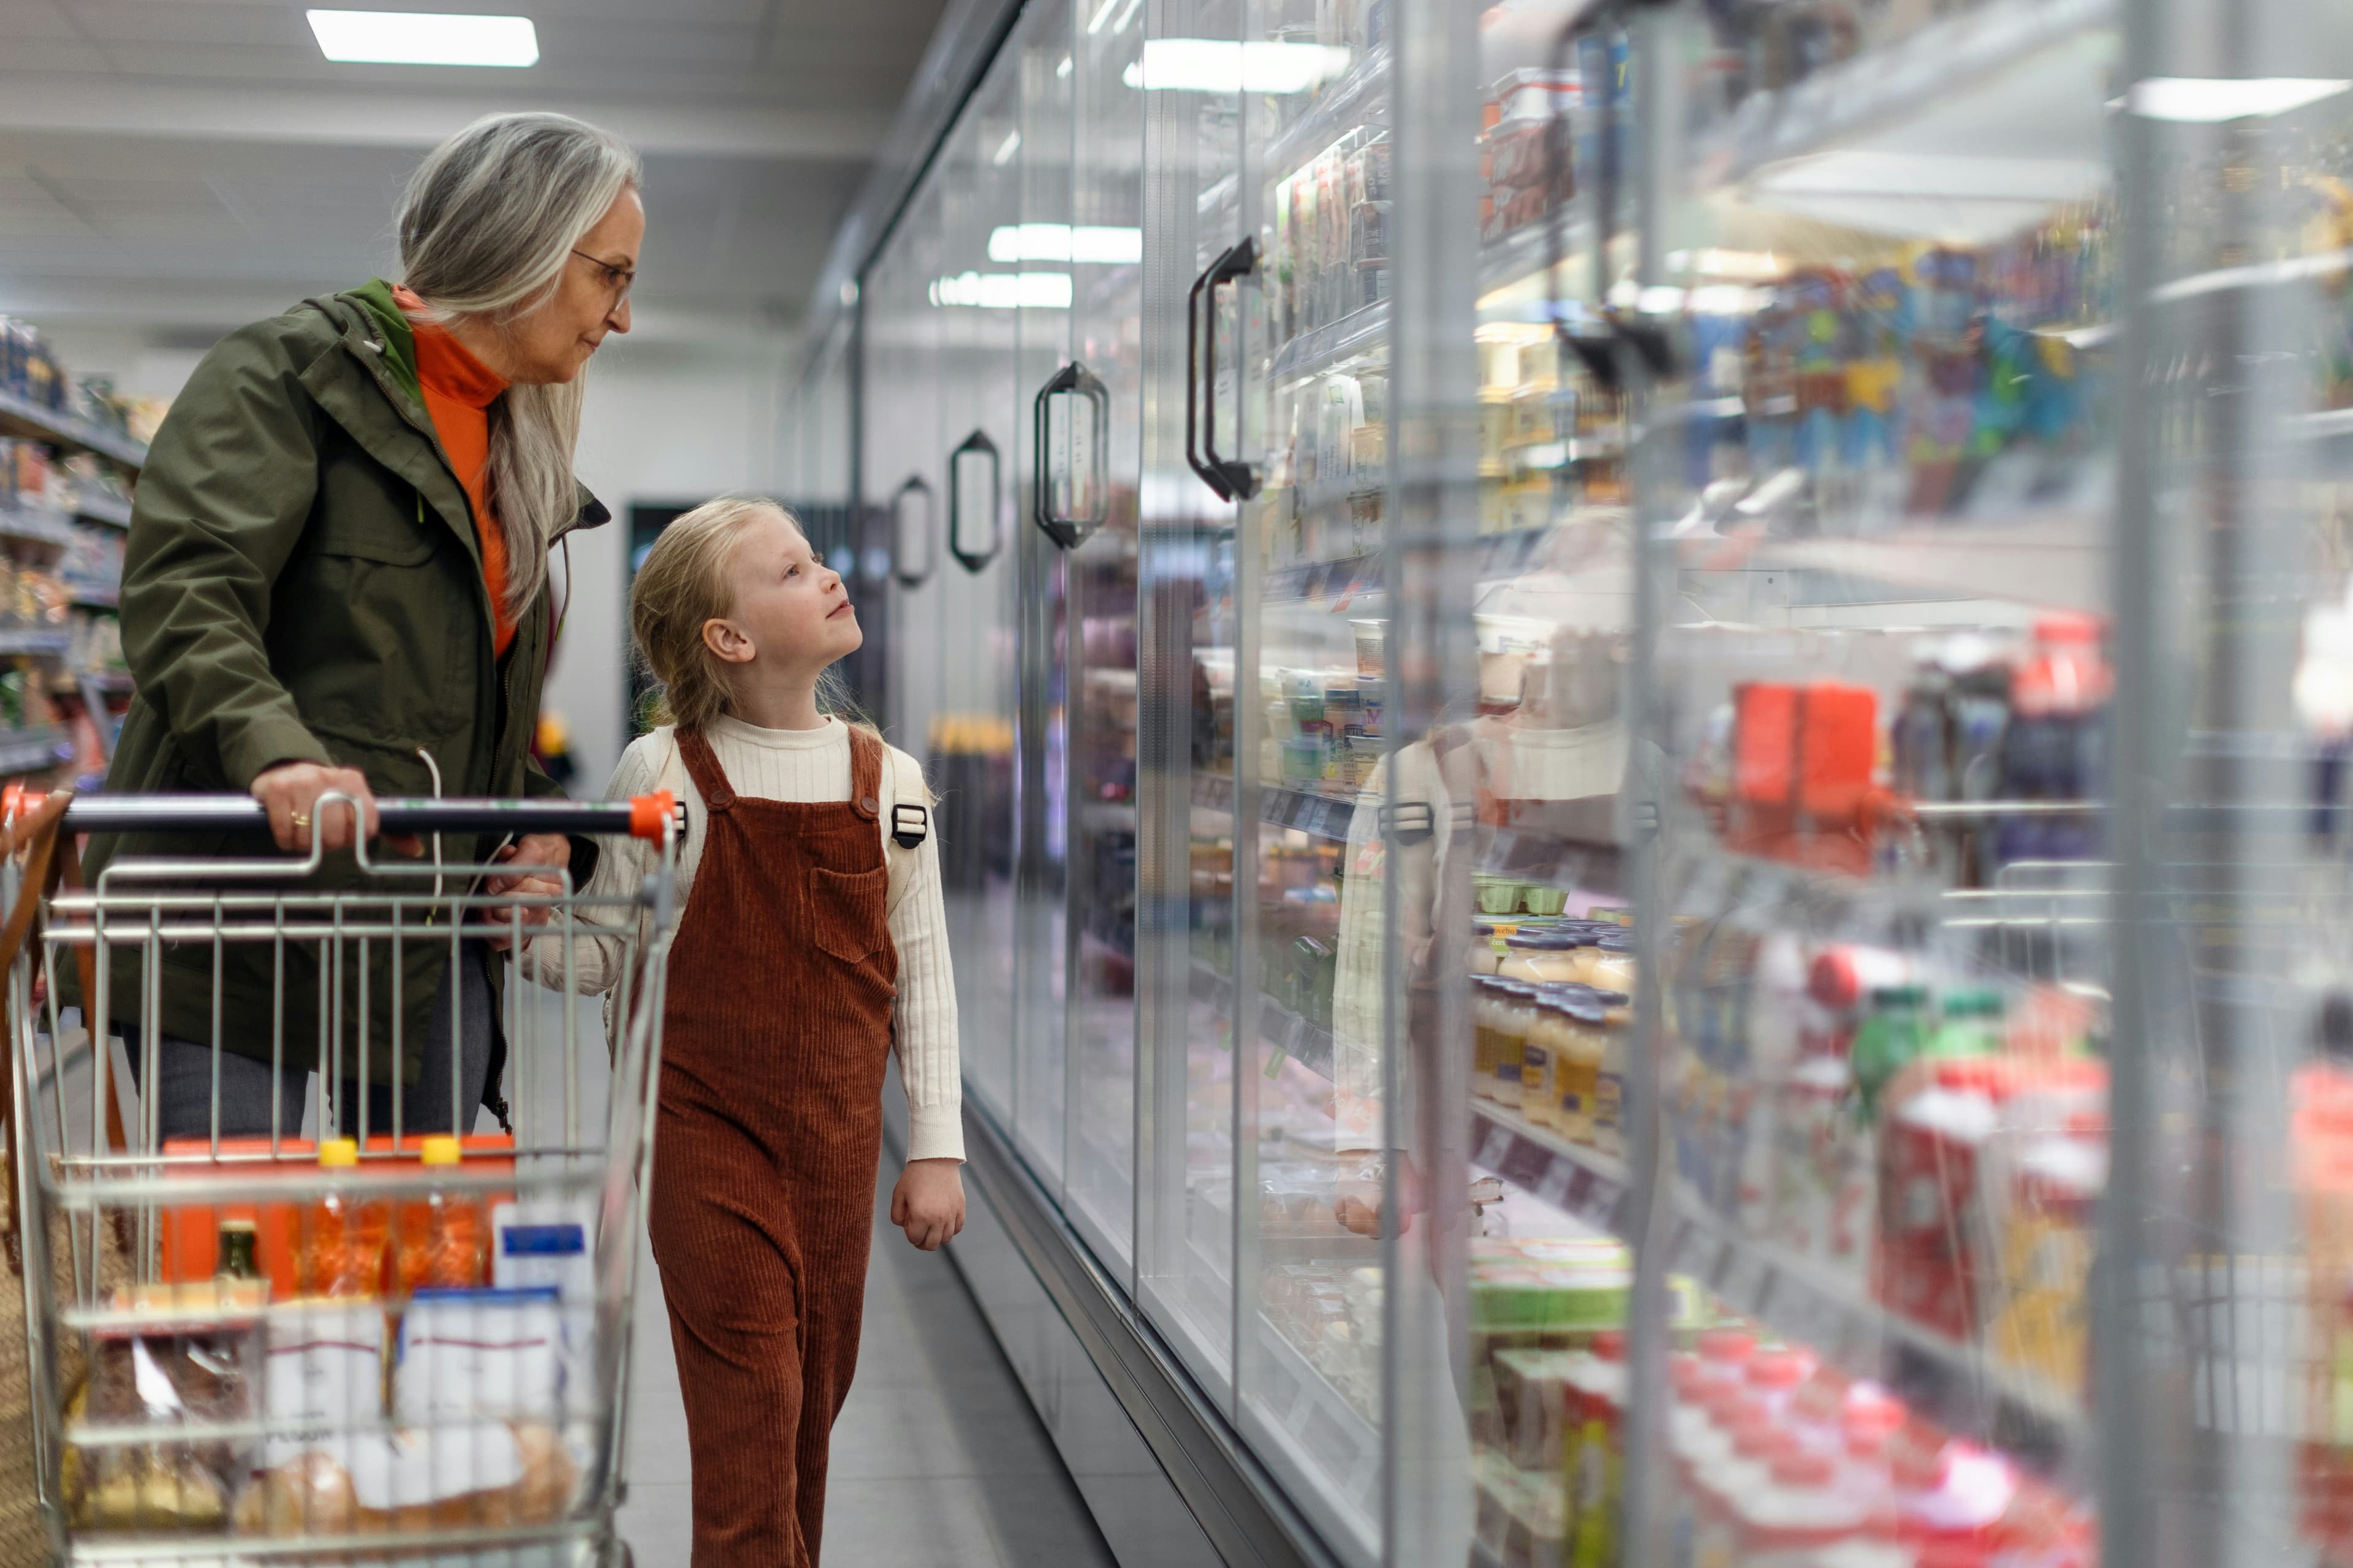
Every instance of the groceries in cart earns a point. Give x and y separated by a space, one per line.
382 1332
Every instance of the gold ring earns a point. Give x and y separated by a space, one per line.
301 819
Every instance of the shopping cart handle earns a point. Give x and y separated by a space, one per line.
641 818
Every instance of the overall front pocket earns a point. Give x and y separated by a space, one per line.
848 911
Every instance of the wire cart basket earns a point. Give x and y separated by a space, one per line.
373 1342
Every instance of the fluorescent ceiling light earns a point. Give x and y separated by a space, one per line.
1006 148
425 39
1102 15
1004 290
1064 70
1060 242
2204 101
1221 65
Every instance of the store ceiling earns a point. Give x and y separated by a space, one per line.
176 167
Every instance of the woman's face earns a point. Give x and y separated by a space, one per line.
554 342
792 614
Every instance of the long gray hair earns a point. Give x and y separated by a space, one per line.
487 225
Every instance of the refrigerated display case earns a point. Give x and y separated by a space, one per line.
1673 682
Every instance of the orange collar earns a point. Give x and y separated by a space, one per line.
444 364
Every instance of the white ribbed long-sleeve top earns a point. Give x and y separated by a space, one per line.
811 766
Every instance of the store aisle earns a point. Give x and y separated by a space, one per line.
938 1459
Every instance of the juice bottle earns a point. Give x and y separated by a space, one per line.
441 1244
344 1255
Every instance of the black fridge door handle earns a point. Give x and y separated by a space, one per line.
976 445
1073 379
1209 475
910 574
1235 481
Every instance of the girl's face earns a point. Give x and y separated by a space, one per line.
792 614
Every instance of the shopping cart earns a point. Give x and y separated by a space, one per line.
272 1349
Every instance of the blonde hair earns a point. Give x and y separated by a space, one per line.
687 580
487 225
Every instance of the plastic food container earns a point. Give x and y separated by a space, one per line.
1372 639
1548 958
1543 900
1497 895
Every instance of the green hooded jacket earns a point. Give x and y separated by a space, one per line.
303 583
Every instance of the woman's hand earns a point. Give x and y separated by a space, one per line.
928 1202
535 850
289 793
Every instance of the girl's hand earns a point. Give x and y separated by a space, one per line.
928 1202
533 849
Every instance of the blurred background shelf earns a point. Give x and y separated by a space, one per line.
27 420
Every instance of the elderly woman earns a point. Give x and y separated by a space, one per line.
337 582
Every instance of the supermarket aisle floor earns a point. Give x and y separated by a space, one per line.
938 1459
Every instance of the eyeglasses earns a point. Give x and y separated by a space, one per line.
619 279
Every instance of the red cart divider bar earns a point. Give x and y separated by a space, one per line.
640 818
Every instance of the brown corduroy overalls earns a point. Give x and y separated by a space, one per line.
775 1040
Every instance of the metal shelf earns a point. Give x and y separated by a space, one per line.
1309 1043
1356 99
1318 816
96 596
21 639
1965 1388
27 420
113 511
33 749
36 525
2058 560
1925 72
1361 331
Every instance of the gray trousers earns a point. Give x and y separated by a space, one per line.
185 1071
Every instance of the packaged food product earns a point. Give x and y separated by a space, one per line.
1541 1050
1576 1071
204 1375
1546 957
481 1476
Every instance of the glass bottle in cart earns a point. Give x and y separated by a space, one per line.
441 1238
343 1242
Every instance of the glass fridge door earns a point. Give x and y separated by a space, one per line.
1294 420
1185 1161
1104 253
2222 1353
970 754
1868 317
1057 483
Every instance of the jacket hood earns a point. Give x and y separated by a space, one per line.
375 300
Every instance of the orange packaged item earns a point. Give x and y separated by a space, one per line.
1765 743
439 1243
190 1239
1838 742
344 1244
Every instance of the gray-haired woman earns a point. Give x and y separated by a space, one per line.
336 582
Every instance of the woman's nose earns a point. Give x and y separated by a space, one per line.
618 317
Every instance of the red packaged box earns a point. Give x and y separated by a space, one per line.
190 1238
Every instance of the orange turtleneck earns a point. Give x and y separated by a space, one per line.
459 391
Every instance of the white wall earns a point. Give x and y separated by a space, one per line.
665 424
664 429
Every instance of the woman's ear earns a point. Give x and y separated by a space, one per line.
727 640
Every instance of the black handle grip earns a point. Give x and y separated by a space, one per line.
1241 478
1072 380
1596 342
1209 475
908 576
216 813
977 443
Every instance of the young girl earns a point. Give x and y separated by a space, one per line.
811 940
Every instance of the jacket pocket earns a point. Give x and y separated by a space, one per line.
848 911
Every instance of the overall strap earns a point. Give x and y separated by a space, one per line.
702 767
865 773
